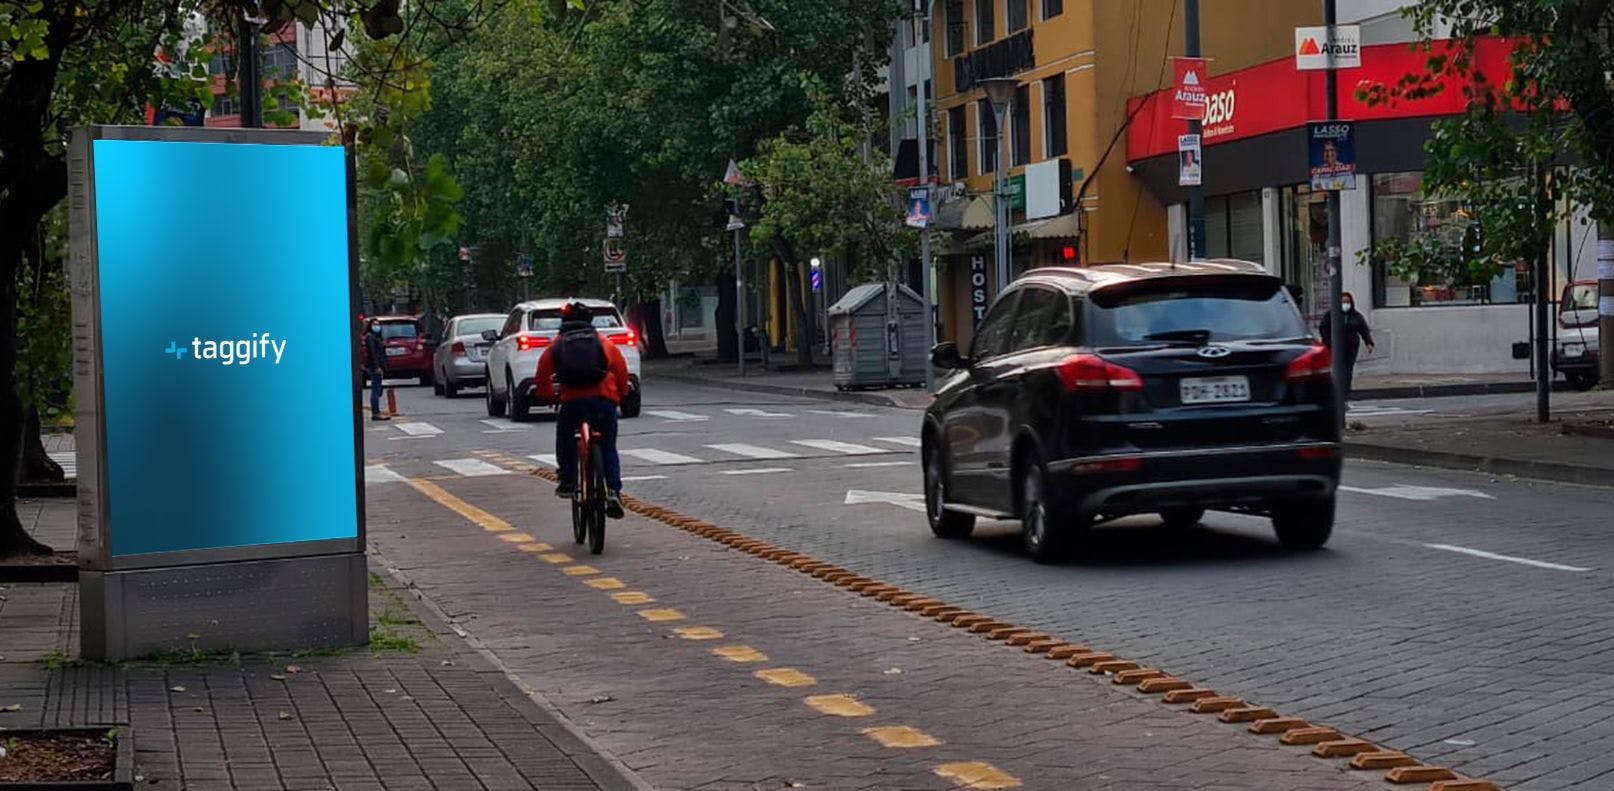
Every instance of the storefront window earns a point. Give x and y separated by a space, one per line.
1442 227
1304 219
1233 227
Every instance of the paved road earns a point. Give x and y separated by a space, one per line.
1460 617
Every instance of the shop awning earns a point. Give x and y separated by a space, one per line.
1065 226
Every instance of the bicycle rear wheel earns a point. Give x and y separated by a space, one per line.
596 504
579 525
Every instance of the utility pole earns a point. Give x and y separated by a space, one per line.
1336 274
249 71
926 265
1196 193
1605 302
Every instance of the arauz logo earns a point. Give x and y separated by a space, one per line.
229 352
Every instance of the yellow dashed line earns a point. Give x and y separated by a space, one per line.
477 516
900 736
633 597
605 583
556 557
536 547
786 677
839 706
740 653
661 615
975 774
517 538
579 571
698 633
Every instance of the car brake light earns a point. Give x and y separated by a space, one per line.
1118 464
459 348
1089 373
628 338
1319 453
526 343
1313 365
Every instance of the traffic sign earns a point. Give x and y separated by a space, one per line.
616 259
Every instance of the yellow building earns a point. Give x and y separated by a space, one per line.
1079 64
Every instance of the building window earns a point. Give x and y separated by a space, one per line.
280 62
219 64
1017 15
954 20
1054 143
921 30
1052 8
985 23
1403 216
958 144
1020 126
225 105
986 137
1233 227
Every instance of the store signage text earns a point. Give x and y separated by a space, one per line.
977 290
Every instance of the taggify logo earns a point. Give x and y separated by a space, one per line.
230 352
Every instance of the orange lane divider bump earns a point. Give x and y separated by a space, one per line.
1464 785
1405 775
1344 748
1188 695
1089 658
1142 674
1215 705
1277 725
1386 759
1155 686
1249 714
1111 666
1305 736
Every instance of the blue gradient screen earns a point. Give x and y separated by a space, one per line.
225 345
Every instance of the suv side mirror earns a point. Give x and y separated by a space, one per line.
945 356
490 335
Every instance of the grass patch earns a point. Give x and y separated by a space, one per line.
376 581
56 660
193 656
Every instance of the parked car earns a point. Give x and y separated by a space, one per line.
1577 354
512 362
460 359
408 348
1096 393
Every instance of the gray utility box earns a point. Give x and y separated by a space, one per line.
878 338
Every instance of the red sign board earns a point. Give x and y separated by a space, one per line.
1274 96
1188 92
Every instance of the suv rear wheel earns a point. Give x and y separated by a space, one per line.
943 523
1046 530
1305 524
520 407
494 404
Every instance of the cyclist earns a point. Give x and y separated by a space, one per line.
593 376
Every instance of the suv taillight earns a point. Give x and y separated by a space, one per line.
1313 365
526 343
1087 373
628 338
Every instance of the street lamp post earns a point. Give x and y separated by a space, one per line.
921 11
1000 91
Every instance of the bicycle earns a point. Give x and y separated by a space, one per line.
588 496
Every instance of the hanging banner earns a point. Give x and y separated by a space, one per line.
1189 171
1188 98
918 208
1332 155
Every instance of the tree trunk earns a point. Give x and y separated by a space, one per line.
804 338
723 322
37 465
655 337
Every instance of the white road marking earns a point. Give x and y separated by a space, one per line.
834 413
633 478
836 446
1425 493
866 464
67 460
912 502
1365 410
753 451
758 471
1480 553
379 473
472 468
660 456
671 414
546 459
757 413
504 427
419 429
912 442
412 436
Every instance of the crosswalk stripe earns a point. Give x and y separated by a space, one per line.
546 459
419 429
836 446
660 456
758 471
504 426
380 473
753 451
912 442
472 468
867 464
67 460
835 413
757 413
636 478
670 414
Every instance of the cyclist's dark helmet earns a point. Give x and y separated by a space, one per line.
575 310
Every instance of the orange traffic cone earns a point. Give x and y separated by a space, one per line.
392 403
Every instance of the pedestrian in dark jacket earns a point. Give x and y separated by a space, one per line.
1357 333
375 366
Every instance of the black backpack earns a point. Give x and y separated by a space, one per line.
580 358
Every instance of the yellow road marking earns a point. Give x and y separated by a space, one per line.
740 653
974 774
632 597
839 706
900 736
605 583
661 615
786 677
579 571
556 557
477 516
536 547
698 633
517 538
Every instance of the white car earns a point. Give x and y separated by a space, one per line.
512 361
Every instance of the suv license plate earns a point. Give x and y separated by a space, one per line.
395 351
1216 390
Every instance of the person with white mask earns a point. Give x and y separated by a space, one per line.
1357 334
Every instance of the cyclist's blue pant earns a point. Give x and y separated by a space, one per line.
600 413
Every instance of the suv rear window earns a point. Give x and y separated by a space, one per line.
392 330
548 320
1193 309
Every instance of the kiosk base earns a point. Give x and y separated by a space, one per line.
255 605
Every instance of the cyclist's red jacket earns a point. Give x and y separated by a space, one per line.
613 387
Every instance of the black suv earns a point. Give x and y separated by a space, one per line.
1107 391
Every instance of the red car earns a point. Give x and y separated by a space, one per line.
409 348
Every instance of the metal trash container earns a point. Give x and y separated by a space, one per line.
878 338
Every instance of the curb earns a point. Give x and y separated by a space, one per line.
40 572
1438 391
1523 468
874 398
49 489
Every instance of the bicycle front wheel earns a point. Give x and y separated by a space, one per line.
596 504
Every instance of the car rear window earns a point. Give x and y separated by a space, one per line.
548 320
399 329
478 325
1193 309
1581 297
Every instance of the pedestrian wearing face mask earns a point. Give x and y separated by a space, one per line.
1357 333
375 349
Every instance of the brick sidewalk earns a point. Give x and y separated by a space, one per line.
440 717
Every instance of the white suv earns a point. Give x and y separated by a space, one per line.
512 362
